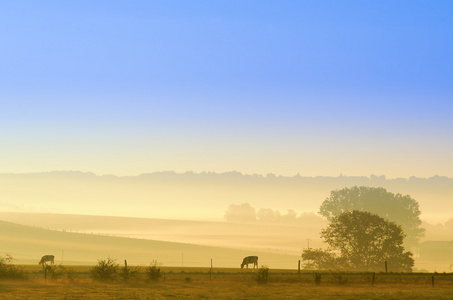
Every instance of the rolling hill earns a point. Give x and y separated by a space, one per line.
285 238
27 244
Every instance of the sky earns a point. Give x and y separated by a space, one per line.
319 88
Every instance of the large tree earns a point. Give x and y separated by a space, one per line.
403 210
366 241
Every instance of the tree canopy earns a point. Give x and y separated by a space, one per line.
366 241
403 210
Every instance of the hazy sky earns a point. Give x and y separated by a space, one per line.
315 87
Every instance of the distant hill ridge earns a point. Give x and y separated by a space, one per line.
231 174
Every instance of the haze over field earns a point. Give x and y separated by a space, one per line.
205 196
180 109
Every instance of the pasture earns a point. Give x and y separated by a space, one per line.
226 283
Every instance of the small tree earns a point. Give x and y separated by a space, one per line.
105 270
366 241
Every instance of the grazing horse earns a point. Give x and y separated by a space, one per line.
250 260
45 259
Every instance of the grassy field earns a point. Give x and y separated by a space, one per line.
201 283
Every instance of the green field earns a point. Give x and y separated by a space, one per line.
227 283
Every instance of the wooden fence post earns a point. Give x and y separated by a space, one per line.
126 271
432 281
385 266
374 275
210 271
298 269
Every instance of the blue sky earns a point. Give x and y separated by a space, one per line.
315 87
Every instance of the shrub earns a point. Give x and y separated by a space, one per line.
153 272
105 270
8 270
262 274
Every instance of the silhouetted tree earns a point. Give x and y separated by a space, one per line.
366 241
403 210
